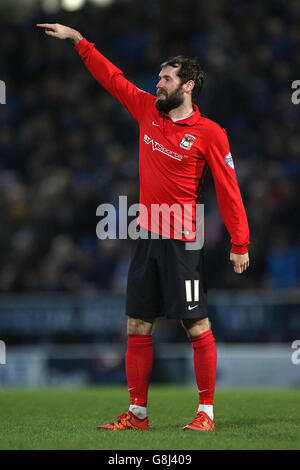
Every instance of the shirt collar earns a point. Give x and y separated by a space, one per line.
189 121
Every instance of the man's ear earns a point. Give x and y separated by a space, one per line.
189 85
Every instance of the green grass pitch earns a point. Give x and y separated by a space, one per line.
67 419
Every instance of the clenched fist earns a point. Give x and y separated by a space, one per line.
240 262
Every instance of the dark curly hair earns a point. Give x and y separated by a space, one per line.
189 69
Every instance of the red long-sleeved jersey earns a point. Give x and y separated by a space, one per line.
174 158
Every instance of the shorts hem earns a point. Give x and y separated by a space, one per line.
144 316
199 316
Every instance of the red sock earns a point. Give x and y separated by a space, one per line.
205 364
138 363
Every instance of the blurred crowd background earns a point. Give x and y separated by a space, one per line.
67 146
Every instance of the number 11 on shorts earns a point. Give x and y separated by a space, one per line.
188 291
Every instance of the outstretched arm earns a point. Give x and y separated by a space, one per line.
61 32
106 73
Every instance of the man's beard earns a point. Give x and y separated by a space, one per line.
172 101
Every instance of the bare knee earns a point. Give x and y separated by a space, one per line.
195 327
136 326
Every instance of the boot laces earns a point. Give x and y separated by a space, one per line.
200 417
121 421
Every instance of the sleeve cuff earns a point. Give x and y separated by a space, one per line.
83 43
239 250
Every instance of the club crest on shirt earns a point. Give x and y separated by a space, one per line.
229 161
187 141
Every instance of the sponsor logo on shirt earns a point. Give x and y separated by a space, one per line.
229 161
187 141
160 148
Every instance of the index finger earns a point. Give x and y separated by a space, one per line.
44 25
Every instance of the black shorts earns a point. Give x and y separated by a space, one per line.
165 279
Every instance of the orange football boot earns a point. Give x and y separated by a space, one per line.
202 422
124 422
